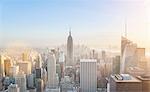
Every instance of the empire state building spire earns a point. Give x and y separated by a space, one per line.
69 61
69 31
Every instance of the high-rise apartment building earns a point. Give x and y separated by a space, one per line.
2 66
38 62
20 80
7 65
116 65
88 75
39 85
30 81
51 68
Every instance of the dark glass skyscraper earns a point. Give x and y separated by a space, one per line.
69 61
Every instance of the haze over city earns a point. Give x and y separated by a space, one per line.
96 23
74 45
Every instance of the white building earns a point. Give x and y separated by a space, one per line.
51 68
20 80
2 65
88 75
13 88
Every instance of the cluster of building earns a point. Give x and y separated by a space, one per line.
27 75
57 70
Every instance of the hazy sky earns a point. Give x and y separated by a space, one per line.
95 23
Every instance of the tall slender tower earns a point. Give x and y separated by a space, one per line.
2 74
51 66
69 61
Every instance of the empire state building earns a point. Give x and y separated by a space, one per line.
69 61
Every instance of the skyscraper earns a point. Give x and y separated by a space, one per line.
69 61
7 65
128 49
124 42
39 85
88 75
61 62
116 65
25 56
39 73
20 80
2 66
30 81
38 63
51 66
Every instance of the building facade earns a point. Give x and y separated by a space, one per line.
2 74
88 75
69 61
125 84
13 88
20 80
51 66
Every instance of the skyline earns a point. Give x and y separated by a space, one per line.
74 45
46 23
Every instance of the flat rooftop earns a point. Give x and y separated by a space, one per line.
133 79
88 60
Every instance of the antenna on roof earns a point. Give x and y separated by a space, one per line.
69 30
